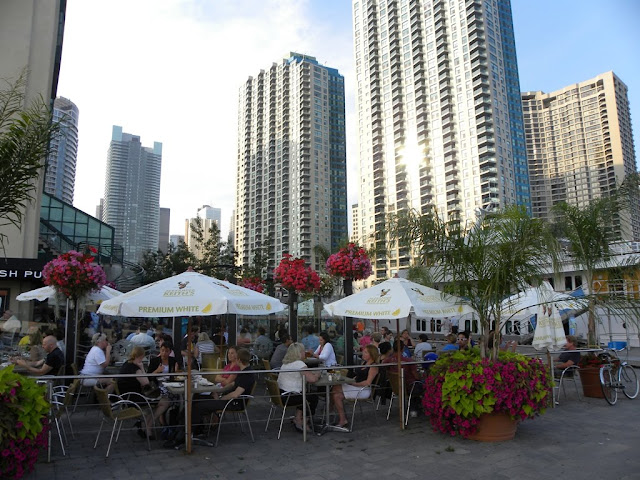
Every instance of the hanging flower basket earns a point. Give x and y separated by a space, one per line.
350 263
294 275
74 274
23 423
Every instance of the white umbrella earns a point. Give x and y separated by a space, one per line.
396 298
190 294
49 293
549 332
525 304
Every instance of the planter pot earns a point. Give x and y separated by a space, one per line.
590 379
495 427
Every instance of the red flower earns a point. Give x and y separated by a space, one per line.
294 274
351 262
73 274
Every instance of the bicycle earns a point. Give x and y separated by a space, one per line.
617 375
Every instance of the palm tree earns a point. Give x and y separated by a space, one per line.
483 263
25 133
588 233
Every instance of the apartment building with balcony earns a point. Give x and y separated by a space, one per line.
580 147
439 114
291 173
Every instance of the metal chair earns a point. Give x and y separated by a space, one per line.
243 411
119 411
394 381
276 401
569 374
370 399
62 398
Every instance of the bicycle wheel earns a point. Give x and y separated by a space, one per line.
607 383
629 381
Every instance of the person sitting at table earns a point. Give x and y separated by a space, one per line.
325 351
245 337
311 341
97 360
204 345
263 345
33 343
360 388
452 344
412 379
281 351
366 339
244 383
422 348
410 371
138 384
568 358
50 365
164 362
465 342
292 382
376 339
225 379
406 338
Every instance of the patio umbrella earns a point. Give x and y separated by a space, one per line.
549 332
397 298
49 293
190 294
525 304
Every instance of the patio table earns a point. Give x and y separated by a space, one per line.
328 380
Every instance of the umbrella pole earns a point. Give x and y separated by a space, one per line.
400 376
553 400
187 388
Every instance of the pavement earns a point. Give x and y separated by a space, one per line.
579 439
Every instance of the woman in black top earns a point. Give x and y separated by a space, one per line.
361 388
133 366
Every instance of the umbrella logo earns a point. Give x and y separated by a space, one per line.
384 291
268 306
417 290
221 285
395 312
182 285
207 309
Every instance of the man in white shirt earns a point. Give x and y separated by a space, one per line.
143 339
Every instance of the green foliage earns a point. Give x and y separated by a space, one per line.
462 386
23 414
482 263
24 142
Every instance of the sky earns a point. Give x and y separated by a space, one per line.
170 71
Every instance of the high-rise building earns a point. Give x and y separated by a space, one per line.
355 223
175 240
291 178
60 178
580 146
164 224
207 216
132 193
439 113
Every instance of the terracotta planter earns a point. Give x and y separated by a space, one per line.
590 379
495 427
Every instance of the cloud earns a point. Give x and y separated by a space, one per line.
170 71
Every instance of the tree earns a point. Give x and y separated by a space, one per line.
483 263
588 233
25 132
